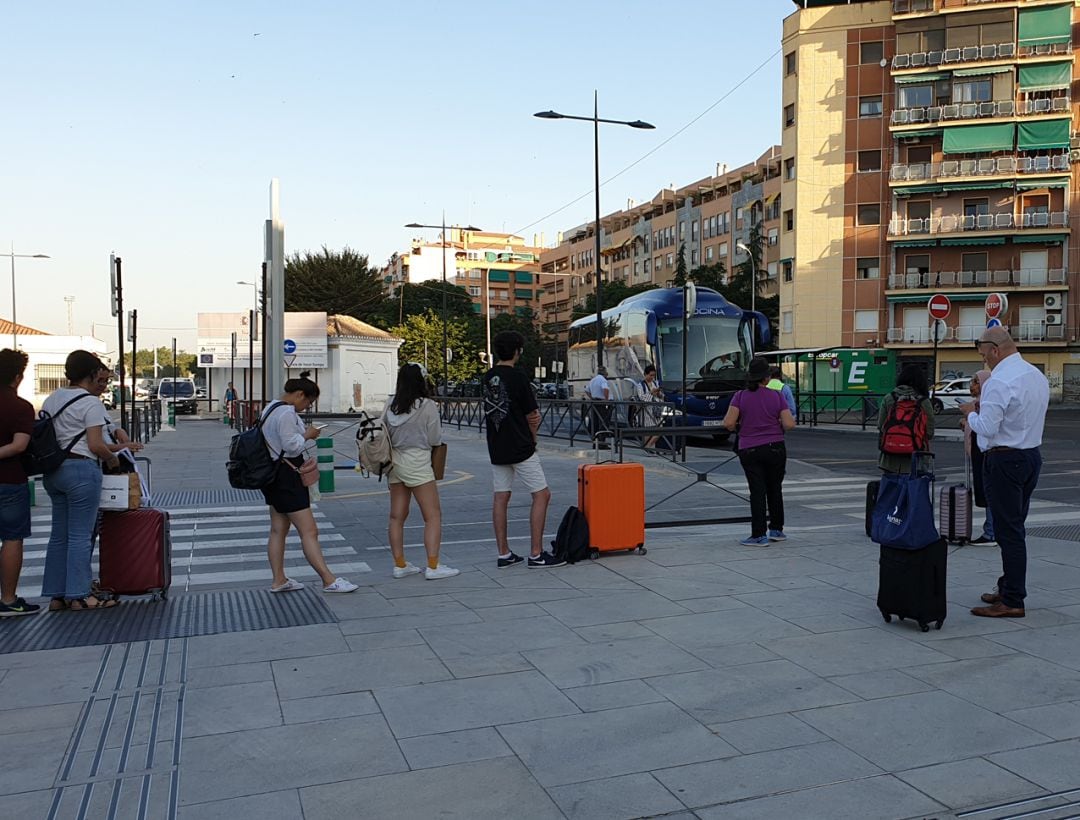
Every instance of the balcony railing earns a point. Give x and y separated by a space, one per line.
1024 332
1024 277
916 6
980 110
975 54
981 222
986 166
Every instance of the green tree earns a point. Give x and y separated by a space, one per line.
420 297
613 293
709 276
338 282
422 342
680 267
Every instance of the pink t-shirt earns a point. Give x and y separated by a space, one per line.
759 416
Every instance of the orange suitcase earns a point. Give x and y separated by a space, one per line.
612 496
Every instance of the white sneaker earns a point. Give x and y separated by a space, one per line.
341 585
289 586
405 571
441 571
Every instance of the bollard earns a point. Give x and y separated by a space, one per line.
325 450
172 414
32 484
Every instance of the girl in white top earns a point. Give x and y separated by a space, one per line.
412 422
288 498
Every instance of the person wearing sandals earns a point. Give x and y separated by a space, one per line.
287 497
75 486
16 425
412 422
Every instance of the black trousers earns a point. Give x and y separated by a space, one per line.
764 467
1010 477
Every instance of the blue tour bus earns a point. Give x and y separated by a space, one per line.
647 328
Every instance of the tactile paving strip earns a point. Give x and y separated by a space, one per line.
1067 532
205 613
204 498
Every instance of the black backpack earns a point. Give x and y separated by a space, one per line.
571 542
44 454
250 465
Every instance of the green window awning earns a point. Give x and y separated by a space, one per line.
1034 136
928 132
916 243
915 191
1045 25
498 276
1033 184
955 297
966 139
1046 77
976 186
523 277
974 240
522 294
915 79
978 72
1046 238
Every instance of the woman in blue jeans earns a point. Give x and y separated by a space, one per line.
75 486
762 417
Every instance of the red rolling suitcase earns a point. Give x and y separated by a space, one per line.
612 497
135 552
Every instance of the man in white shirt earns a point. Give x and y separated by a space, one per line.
1008 422
600 392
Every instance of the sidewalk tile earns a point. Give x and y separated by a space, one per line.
612 608
448 706
875 798
614 798
865 650
764 734
206 676
613 695
967 783
384 640
25 686
68 658
213 710
1058 644
922 729
627 630
471 640
687 589
40 754
280 805
886 683
27 805
356 671
285 757
733 654
393 623
327 707
725 627
509 597
40 718
513 612
604 663
1060 721
969 648
484 790
756 775
752 690
584 747
449 748
264 645
1054 766
1004 683
474 667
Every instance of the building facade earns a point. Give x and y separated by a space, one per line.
640 245
46 354
932 143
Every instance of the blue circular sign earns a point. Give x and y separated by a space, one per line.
993 323
290 347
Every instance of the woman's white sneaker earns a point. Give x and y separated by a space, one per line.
341 585
405 571
441 571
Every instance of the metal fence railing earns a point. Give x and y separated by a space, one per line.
145 421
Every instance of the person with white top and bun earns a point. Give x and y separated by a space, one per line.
287 497
412 422
1008 422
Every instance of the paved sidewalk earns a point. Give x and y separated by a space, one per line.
703 679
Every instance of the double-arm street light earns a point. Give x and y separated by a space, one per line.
595 119
14 256
445 243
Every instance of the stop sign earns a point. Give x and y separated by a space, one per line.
939 306
996 304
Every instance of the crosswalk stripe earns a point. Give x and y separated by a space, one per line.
198 532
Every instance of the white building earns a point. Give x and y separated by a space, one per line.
363 366
45 369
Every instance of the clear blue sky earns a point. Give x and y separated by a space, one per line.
153 130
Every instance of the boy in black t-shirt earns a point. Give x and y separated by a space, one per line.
512 420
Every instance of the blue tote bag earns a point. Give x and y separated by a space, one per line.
904 514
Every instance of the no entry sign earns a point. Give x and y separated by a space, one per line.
996 305
939 306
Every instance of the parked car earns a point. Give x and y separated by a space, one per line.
552 391
180 393
145 389
951 393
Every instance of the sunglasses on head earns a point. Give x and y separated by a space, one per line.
979 343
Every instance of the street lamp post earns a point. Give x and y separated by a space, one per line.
595 119
445 357
253 319
753 274
14 256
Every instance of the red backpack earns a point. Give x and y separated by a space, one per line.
904 430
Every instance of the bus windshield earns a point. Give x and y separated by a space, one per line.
720 347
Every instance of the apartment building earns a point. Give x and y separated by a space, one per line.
499 270
934 145
640 244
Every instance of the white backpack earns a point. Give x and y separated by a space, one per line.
373 446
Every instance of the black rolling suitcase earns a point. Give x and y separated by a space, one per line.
911 584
